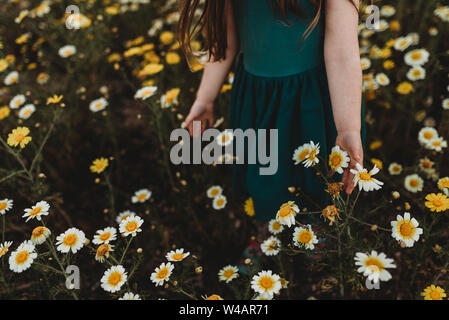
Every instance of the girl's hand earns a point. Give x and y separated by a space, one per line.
200 111
351 142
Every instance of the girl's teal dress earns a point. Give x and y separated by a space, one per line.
281 84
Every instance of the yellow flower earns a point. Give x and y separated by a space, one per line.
19 136
55 99
443 183
22 39
112 10
433 292
330 213
377 162
11 59
3 65
172 58
395 25
99 165
135 51
404 88
167 37
214 297
375 145
249 207
437 202
226 87
151 69
4 112
114 57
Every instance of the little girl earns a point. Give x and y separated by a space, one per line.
298 72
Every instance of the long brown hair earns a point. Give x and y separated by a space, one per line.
212 23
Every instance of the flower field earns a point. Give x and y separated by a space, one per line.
89 95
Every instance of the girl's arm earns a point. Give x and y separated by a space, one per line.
342 57
214 75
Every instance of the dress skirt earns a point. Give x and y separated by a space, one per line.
299 107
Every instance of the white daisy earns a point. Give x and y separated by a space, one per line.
177 255
162 273
72 239
22 258
141 196
382 79
437 144
286 214
374 265
338 159
5 205
40 234
98 104
387 11
417 57
365 180
445 104
395 169
219 202
145 92
4 248
131 226
26 111
123 215
228 273
305 237
416 73
225 138
11 78
266 284
402 43
426 135
67 51
365 63
214 191
17 101
130 296
406 229
37 211
114 278
271 246
275 227
105 236
103 252
413 183
312 157
301 153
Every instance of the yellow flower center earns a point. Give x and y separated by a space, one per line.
70 240
131 226
38 232
406 229
214 192
435 295
365 176
178 256
416 55
303 155
105 236
305 237
285 212
103 250
114 278
19 137
35 211
228 273
437 202
22 257
428 135
220 202
276 225
374 264
141 197
414 183
3 205
266 282
162 273
3 250
336 160
98 105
